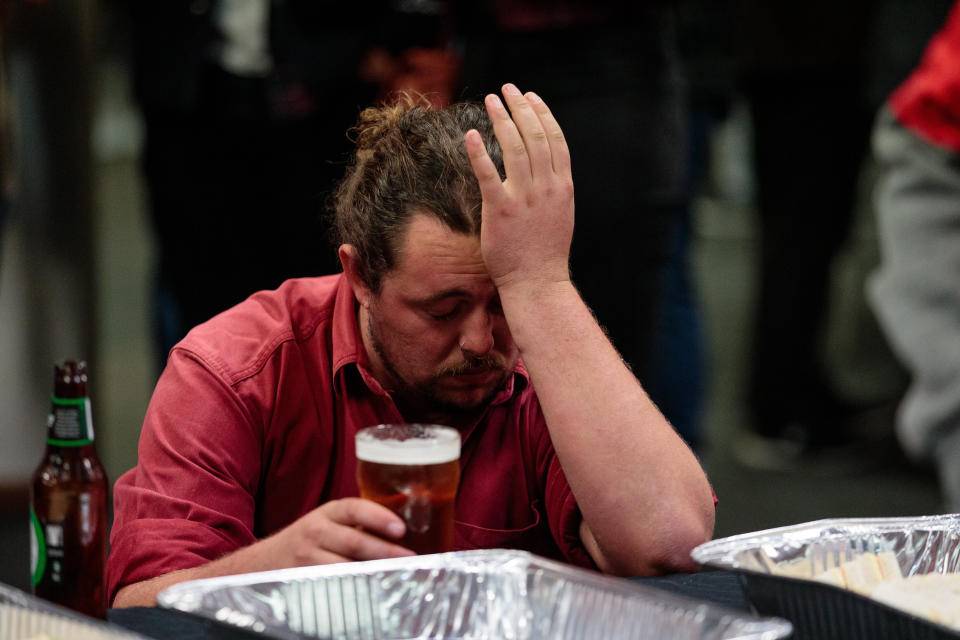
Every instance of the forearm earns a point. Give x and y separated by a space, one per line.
256 557
642 492
337 531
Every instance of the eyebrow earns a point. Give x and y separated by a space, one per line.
443 295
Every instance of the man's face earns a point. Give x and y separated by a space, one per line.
435 332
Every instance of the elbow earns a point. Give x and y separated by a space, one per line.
680 537
659 550
673 553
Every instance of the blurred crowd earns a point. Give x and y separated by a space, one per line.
247 106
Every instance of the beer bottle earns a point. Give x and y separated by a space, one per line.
68 502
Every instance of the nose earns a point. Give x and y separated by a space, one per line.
476 334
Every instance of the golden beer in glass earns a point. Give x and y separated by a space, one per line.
413 470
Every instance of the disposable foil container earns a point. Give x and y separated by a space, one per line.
921 545
23 617
506 595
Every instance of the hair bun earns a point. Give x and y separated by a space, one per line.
376 123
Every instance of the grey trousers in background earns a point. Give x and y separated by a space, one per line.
916 290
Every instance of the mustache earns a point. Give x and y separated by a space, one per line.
488 362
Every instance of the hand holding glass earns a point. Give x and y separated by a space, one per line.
413 470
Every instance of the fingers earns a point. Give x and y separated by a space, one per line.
531 130
515 160
487 175
559 152
532 142
353 529
367 514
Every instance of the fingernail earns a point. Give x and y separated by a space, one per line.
532 97
495 100
511 89
395 529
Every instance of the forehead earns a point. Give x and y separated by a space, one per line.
434 258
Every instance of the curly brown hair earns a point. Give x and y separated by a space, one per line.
409 159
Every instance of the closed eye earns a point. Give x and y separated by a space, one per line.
445 315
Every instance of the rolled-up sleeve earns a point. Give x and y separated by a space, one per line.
191 497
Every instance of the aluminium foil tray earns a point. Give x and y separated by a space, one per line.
496 594
922 545
23 616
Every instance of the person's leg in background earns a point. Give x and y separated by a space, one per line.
810 137
678 381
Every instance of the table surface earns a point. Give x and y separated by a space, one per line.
719 587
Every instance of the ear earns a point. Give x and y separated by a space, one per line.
350 259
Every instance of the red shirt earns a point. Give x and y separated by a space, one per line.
252 425
928 102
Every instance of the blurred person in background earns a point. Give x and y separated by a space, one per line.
681 358
802 73
915 291
814 77
246 103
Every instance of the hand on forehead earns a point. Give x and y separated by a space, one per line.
527 219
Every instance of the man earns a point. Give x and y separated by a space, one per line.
246 457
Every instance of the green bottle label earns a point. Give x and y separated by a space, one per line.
38 550
70 423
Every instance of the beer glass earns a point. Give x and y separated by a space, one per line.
413 470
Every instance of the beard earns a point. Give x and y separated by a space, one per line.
429 394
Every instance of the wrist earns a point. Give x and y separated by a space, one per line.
536 310
535 294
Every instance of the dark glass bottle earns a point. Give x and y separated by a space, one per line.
68 502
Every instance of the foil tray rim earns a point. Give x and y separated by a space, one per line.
719 553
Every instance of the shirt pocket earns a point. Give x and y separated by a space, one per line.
534 537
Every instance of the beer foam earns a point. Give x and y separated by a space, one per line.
442 445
